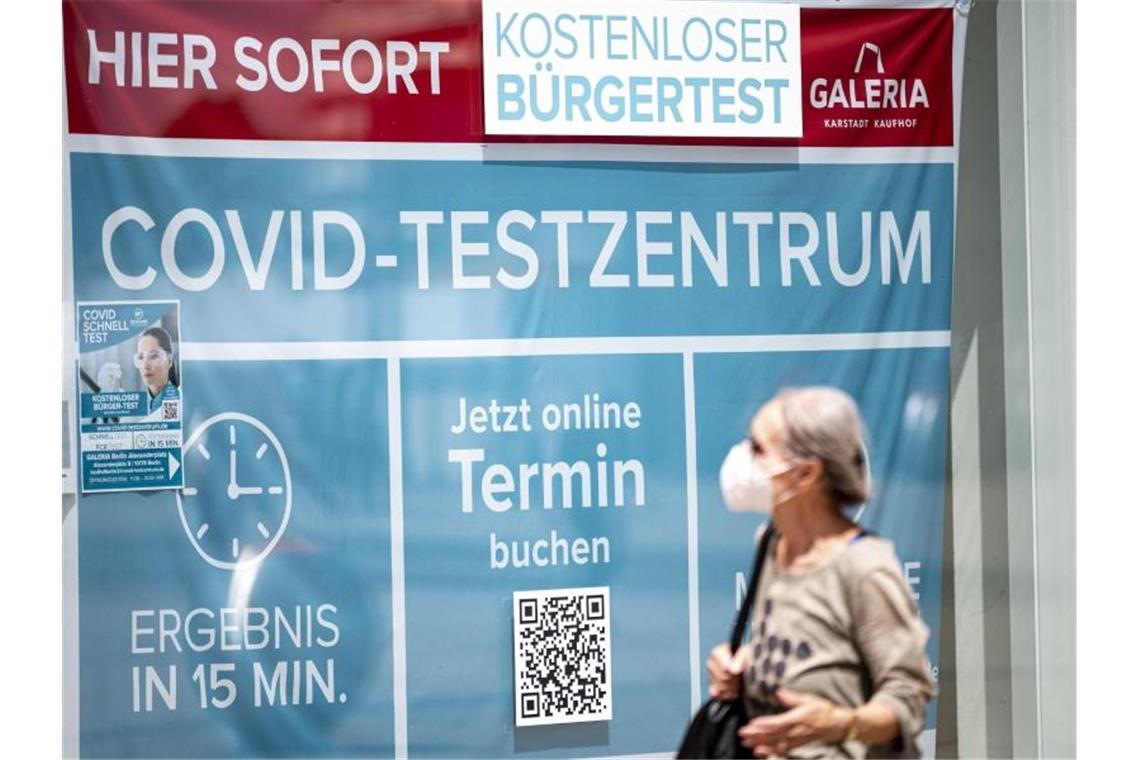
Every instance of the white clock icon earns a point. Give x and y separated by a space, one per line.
238 493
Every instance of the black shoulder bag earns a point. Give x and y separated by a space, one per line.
712 731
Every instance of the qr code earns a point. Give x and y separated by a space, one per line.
169 410
562 656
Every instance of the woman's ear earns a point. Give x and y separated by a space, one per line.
809 472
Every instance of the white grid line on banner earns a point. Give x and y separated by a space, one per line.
473 348
170 147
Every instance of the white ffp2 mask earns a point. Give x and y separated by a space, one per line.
744 485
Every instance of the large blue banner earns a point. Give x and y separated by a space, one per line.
300 385
419 378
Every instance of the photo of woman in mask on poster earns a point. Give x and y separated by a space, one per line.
154 359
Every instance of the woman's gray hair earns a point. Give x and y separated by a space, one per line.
823 423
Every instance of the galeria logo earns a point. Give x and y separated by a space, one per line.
867 91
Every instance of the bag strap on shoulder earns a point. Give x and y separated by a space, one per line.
753 584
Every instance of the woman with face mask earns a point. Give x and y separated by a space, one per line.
835 667
154 359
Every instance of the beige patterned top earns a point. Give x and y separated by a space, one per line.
847 630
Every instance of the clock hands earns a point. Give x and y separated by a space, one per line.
233 490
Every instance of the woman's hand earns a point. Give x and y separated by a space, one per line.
724 671
809 718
